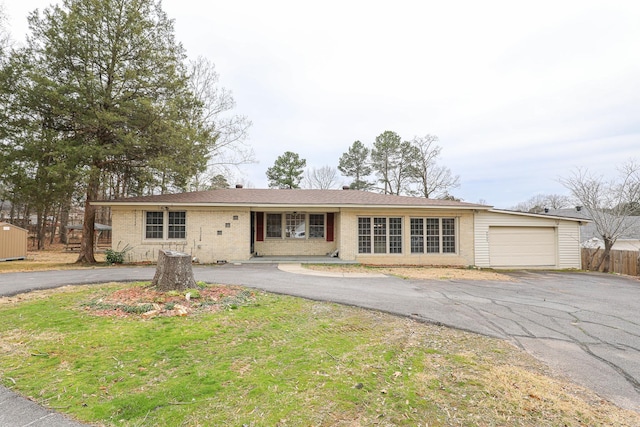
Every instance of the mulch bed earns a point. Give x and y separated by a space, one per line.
147 302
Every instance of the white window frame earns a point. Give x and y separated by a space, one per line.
286 223
165 227
381 236
267 229
442 244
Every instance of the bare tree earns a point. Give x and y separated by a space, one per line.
401 176
608 202
323 178
230 149
432 179
539 202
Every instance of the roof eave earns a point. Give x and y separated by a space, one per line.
566 218
285 205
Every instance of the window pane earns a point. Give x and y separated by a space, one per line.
395 235
274 225
316 226
177 225
364 235
433 235
153 226
448 235
296 226
417 235
380 235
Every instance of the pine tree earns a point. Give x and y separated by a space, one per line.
287 171
355 164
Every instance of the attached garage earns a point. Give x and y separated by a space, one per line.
522 246
505 239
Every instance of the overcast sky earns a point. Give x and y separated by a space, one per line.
519 93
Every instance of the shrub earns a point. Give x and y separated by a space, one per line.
116 256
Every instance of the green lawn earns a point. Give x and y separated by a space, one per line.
273 360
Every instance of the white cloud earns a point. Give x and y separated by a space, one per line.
518 93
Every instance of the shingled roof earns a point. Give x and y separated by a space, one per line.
288 197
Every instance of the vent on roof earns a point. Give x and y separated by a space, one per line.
346 187
238 185
578 208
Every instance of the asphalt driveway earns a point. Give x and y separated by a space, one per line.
584 325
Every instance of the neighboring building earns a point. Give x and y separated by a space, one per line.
590 238
13 242
238 224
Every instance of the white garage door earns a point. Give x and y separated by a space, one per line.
522 246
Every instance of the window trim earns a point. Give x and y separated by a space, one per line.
178 226
155 227
267 227
295 226
318 227
284 217
164 226
392 237
452 238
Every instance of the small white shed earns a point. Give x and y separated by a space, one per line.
506 239
13 242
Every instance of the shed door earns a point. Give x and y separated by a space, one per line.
522 246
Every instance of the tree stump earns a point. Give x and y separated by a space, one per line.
173 272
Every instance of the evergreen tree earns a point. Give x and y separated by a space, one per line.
383 156
355 164
392 160
117 88
287 171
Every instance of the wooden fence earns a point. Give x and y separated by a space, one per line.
622 262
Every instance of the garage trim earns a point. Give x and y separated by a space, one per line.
516 246
566 239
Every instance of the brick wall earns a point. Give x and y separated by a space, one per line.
301 247
210 240
348 232
211 236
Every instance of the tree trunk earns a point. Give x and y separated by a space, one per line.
64 220
605 260
54 225
173 272
86 245
40 229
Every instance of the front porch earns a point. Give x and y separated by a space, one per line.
294 259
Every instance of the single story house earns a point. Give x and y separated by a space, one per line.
236 224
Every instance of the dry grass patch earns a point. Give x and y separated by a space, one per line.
55 258
278 361
419 273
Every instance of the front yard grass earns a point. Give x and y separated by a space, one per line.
273 360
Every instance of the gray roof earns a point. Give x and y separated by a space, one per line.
96 226
569 213
589 231
289 197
